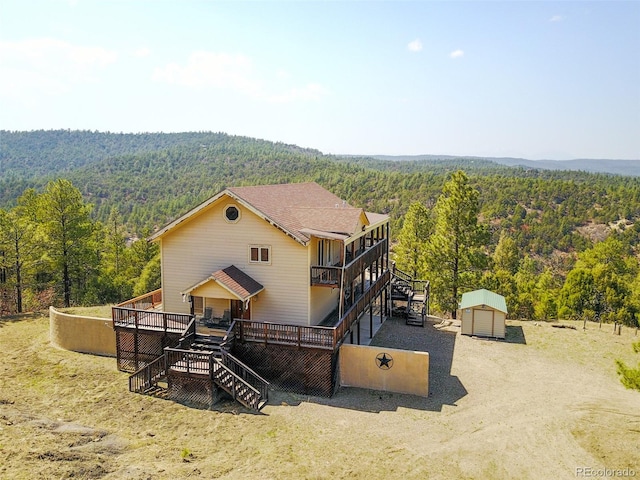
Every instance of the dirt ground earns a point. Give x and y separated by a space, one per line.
542 404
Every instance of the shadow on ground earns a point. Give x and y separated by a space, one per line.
515 334
444 388
7 319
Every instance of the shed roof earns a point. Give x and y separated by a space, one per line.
483 297
298 209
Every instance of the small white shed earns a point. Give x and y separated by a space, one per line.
483 313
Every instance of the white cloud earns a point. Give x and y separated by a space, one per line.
48 65
207 69
415 45
233 72
556 18
457 54
310 92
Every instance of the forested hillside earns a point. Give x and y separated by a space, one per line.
143 181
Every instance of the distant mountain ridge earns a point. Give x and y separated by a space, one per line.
617 167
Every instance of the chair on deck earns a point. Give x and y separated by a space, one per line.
206 319
226 319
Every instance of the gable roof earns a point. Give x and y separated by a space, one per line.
483 297
234 280
298 209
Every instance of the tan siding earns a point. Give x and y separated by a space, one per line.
466 323
207 243
323 302
483 322
213 290
218 306
499 328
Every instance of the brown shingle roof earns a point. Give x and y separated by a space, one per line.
232 279
237 282
296 206
298 209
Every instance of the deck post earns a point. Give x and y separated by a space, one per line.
370 320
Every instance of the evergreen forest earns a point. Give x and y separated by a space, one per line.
76 207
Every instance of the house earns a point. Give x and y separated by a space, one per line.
286 270
483 313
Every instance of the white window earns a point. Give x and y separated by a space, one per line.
259 254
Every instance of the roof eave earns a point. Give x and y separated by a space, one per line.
171 226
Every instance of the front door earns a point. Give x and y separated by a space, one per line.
238 311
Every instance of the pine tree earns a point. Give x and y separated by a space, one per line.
68 231
20 247
412 240
455 254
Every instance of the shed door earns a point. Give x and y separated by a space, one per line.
483 323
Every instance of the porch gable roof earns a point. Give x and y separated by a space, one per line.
233 280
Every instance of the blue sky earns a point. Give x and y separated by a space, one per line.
554 80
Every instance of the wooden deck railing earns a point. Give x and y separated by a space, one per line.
150 319
205 363
246 374
147 301
326 276
332 275
188 361
415 284
362 262
229 339
285 334
235 386
148 376
358 308
326 338
188 335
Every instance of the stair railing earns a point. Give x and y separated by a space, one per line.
229 339
247 374
188 335
239 389
148 376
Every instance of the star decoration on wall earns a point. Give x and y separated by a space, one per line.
384 361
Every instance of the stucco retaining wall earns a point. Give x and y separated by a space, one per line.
82 334
400 371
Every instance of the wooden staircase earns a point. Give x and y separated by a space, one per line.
203 356
414 292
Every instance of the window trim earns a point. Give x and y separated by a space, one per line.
260 249
227 207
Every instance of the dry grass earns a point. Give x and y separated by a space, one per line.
101 311
533 410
